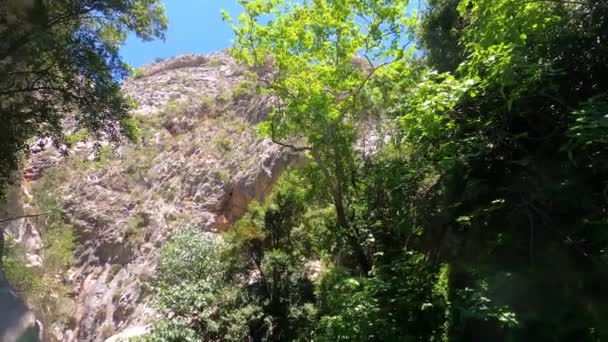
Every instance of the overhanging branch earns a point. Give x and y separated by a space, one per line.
4 220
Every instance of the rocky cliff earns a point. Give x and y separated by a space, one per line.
198 164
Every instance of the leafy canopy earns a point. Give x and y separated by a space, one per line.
60 59
316 56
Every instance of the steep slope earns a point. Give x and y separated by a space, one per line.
198 164
18 322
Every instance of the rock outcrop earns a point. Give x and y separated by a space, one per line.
198 164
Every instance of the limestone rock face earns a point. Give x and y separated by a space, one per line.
21 230
199 164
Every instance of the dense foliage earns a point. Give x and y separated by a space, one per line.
481 213
60 58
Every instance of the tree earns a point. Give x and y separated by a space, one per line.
60 59
439 35
269 247
524 197
316 59
487 207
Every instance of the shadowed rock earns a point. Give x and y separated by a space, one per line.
17 322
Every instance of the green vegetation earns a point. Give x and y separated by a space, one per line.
57 236
481 216
43 288
138 73
191 288
242 283
223 142
27 281
134 230
207 106
215 62
246 87
63 57
104 155
224 175
224 98
76 137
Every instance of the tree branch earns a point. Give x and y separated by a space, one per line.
4 220
292 147
369 76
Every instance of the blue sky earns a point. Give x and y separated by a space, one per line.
195 26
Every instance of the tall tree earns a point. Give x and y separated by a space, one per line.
316 59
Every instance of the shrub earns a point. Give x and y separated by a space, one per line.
138 73
103 155
57 236
224 98
268 242
25 279
224 175
138 161
59 247
239 125
244 88
191 288
134 230
148 125
222 142
78 136
207 105
400 302
215 62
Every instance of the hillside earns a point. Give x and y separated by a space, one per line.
198 164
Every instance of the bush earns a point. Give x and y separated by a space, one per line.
78 136
400 302
244 88
256 285
25 279
215 62
268 247
253 286
138 73
57 236
191 288
134 230
223 143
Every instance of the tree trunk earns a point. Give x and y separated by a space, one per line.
350 231
336 189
